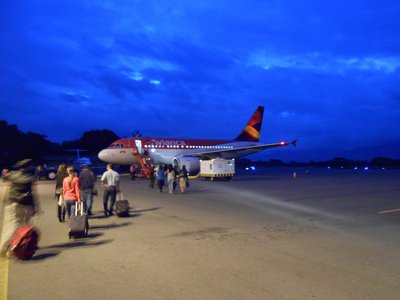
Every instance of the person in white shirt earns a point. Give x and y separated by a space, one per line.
110 182
171 178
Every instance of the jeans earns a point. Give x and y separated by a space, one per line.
109 192
70 207
87 199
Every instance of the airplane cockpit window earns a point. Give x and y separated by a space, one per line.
117 146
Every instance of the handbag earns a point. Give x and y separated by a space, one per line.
59 191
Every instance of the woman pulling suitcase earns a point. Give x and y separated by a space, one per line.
71 191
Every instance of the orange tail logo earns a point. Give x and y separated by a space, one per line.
251 132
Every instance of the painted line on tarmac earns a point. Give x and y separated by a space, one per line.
3 278
389 211
4 263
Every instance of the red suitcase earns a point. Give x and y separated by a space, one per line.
24 242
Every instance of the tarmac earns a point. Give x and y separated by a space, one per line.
322 234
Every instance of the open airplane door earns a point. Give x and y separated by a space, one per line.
146 170
138 144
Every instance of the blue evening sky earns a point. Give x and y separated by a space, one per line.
327 72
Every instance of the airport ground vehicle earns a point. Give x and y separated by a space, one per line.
51 173
46 172
217 168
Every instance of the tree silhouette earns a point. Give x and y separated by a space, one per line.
96 140
16 145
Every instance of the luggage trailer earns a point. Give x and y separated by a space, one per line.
217 168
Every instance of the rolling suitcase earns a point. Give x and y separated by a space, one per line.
78 224
23 245
122 206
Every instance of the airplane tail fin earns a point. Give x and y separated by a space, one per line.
252 131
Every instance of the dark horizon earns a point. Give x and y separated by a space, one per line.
287 154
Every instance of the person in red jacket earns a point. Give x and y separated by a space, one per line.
72 192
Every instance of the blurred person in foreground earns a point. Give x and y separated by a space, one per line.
21 202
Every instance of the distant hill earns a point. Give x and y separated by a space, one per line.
299 154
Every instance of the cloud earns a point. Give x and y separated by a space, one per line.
327 72
317 62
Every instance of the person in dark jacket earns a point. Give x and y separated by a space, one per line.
87 181
152 176
160 177
59 195
20 201
132 171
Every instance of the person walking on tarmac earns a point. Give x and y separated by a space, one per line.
59 195
110 182
171 179
160 177
72 191
21 202
183 179
175 183
152 176
87 181
132 171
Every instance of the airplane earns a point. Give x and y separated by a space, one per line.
188 152
80 160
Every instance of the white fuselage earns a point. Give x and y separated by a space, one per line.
124 152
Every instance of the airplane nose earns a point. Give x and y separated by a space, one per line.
103 155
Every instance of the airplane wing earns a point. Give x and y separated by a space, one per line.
240 151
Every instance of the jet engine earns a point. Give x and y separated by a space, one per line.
192 164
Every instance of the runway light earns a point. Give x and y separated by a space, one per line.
252 168
355 168
247 168
282 143
366 168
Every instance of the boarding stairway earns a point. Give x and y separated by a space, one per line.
145 162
